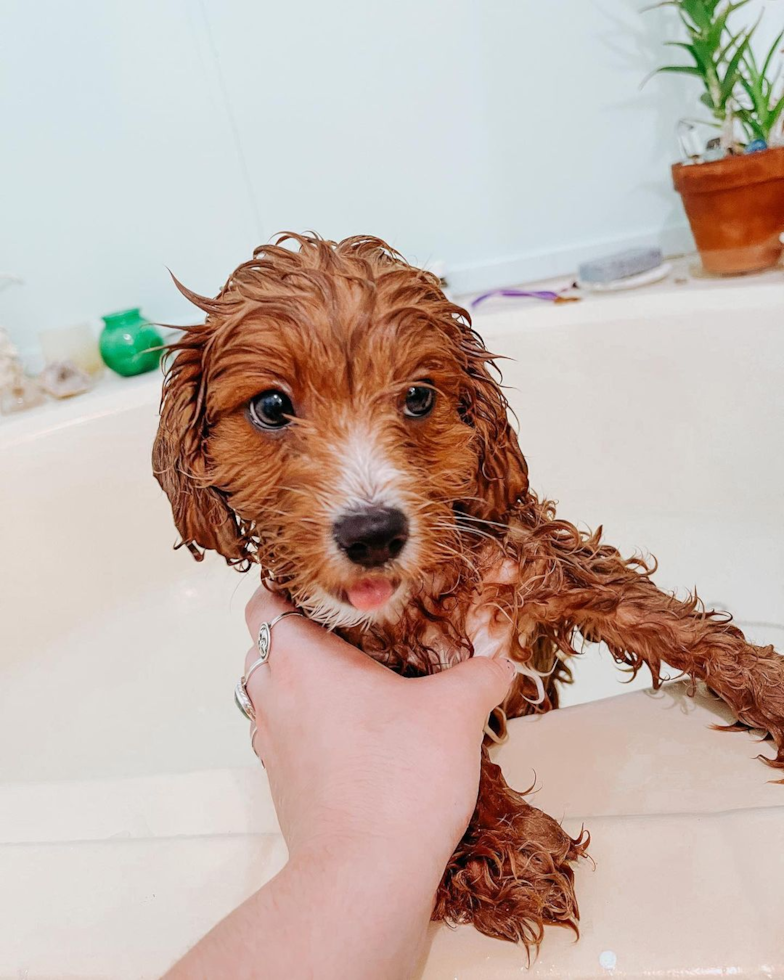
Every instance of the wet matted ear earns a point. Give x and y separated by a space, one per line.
201 512
502 472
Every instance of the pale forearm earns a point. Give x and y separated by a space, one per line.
351 914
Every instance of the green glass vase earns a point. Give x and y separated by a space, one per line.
129 343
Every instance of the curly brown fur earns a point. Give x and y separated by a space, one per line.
512 873
571 582
344 329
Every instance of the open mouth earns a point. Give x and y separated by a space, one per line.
370 593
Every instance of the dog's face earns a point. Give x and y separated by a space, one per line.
335 420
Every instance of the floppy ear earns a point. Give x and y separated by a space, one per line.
181 464
502 472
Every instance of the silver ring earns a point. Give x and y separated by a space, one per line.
264 642
253 733
265 638
243 702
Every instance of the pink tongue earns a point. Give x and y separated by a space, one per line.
370 593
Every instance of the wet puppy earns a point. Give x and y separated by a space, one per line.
337 422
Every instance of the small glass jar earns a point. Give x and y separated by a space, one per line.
129 343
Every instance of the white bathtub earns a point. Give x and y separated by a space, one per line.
658 414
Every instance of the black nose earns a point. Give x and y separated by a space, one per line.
372 537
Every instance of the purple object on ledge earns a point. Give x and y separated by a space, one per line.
543 294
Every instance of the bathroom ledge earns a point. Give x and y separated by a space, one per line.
683 288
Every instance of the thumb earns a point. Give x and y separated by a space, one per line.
480 683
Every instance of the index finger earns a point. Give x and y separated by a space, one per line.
263 607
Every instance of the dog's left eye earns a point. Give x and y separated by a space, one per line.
271 410
420 400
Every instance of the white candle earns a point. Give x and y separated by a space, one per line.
78 343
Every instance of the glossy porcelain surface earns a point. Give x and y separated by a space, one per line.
131 813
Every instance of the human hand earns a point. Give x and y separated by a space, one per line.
360 758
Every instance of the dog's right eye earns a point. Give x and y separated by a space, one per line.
271 410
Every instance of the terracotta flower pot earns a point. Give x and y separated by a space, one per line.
736 210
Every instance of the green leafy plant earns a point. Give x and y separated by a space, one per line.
722 58
716 52
761 114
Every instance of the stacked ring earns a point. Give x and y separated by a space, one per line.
264 642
